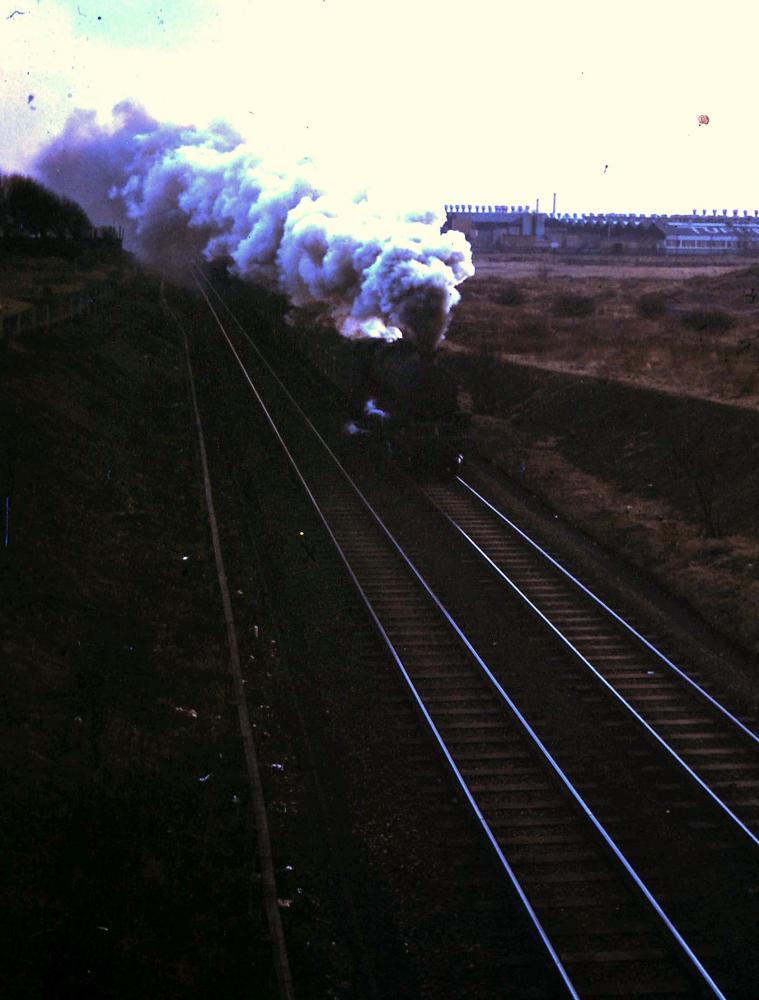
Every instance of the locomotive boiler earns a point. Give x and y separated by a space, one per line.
407 402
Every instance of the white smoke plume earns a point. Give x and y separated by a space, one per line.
180 192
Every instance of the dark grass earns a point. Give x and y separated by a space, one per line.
570 305
509 295
652 305
712 321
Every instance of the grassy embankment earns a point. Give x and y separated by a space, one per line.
631 404
128 842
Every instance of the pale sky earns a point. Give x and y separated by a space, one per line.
479 101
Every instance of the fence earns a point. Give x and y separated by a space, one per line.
60 309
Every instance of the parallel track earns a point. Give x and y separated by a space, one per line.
601 928
711 744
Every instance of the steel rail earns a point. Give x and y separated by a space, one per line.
607 839
612 613
693 775
263 836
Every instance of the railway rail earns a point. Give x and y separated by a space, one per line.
280 956
558 838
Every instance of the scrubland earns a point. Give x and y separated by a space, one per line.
675 329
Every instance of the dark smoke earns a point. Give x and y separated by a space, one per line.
180 192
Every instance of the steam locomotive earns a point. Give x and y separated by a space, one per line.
401 399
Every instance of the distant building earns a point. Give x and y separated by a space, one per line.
498 227
605 234
519 229
708 236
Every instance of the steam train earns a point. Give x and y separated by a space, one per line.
396 396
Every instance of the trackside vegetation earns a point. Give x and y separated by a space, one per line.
29 209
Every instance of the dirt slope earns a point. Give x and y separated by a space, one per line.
670 482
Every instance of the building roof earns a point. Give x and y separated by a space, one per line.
611 225
502 217
618 224
722 229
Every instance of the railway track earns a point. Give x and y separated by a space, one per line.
709 741
557 837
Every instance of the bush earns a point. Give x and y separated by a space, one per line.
653 305
486 378
535 327
708 320
509 295
571 305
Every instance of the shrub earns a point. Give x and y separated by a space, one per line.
486 374
708 320
571 305
509 295
653 305
535 327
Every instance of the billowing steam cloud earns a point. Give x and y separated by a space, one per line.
181 192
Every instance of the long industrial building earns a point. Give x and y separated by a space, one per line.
517 228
